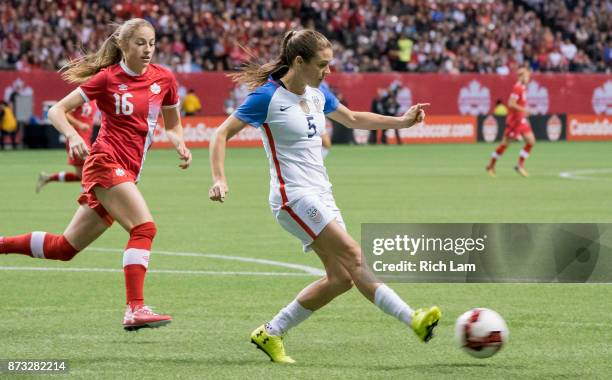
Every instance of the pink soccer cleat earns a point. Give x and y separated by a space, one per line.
143 317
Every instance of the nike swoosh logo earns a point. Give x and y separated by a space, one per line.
285 108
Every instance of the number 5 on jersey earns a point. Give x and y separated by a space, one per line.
311 125
123 105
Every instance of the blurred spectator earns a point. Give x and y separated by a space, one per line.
237 97
378 106
386 104
403 35
8 124
191 103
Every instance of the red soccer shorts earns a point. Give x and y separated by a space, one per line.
514 131
101 170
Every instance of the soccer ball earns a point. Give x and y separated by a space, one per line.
481 332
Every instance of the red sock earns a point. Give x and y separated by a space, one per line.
64 177
16 244
497 154
42 245
136 262
524 154
134 284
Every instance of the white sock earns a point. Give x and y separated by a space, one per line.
389 302
289 317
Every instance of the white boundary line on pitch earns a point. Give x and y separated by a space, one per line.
162 271
304 268
585 174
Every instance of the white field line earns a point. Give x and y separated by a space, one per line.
586 174
305 270
163 271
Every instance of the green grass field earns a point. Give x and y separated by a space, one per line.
556 330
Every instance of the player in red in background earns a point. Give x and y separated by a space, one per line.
82 119
516 126
130 93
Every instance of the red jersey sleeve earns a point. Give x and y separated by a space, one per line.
94 86
171 99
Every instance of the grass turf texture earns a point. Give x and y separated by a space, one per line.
559 330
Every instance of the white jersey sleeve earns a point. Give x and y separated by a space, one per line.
254 110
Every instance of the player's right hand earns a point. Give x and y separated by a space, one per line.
77 147
218 191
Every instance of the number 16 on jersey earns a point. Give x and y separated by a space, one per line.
122 104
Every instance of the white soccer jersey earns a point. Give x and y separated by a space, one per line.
291 126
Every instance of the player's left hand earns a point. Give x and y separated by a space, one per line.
185 155
415 114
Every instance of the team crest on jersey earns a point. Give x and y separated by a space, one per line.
314 214
304 106
317 103
155 88
123 87
119 172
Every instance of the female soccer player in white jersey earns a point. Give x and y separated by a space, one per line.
289 110
130 92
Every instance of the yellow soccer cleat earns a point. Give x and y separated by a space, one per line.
424 321
491 171
271 345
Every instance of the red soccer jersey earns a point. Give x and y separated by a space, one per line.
130 105
86 114
515 117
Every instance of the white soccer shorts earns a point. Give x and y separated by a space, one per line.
307 216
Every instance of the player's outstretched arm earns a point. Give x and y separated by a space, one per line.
174 131
369 120
57 115
226 130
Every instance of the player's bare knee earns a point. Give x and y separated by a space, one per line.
341 283
351 256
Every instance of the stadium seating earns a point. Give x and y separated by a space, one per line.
396 35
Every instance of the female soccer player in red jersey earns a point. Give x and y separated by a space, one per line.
516 126
288 106
130 92
82 119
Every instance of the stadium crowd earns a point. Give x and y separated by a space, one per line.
368 35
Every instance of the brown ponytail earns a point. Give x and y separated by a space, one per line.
303 43
81 69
